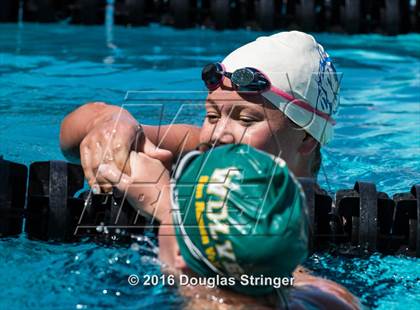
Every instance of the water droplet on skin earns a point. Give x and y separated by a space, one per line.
141 198
109 157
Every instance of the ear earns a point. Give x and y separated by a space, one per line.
180 263
308 145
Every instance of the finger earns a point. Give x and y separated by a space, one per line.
121 156
111 173
86 161
135 163
144 145
142 167
98 158
120 148
141 144
165 156
148 146
138 161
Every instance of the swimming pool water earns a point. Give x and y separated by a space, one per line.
48 70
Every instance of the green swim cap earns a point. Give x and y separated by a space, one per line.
239 211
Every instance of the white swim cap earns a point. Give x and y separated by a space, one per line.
304 83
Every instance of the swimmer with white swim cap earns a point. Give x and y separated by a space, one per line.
290 115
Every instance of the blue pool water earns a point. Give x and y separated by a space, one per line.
48 70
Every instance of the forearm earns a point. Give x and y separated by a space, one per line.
302 278
75 126
162 209
177 138
78 123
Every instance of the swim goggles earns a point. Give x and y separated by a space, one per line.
252 80
244 79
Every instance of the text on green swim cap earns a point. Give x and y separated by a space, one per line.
215 209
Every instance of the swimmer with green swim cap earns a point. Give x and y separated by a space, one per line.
238 211
234 230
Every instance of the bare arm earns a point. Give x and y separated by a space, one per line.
175 138
76 126
97 132
322 291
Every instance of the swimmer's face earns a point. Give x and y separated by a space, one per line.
250 119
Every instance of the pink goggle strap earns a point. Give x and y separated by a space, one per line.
302 104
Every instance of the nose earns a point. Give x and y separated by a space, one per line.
222 133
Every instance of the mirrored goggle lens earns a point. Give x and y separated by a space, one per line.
212 74
242 77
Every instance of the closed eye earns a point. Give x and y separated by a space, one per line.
247 121
212 118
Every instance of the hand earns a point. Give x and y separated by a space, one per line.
110 139
147 188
